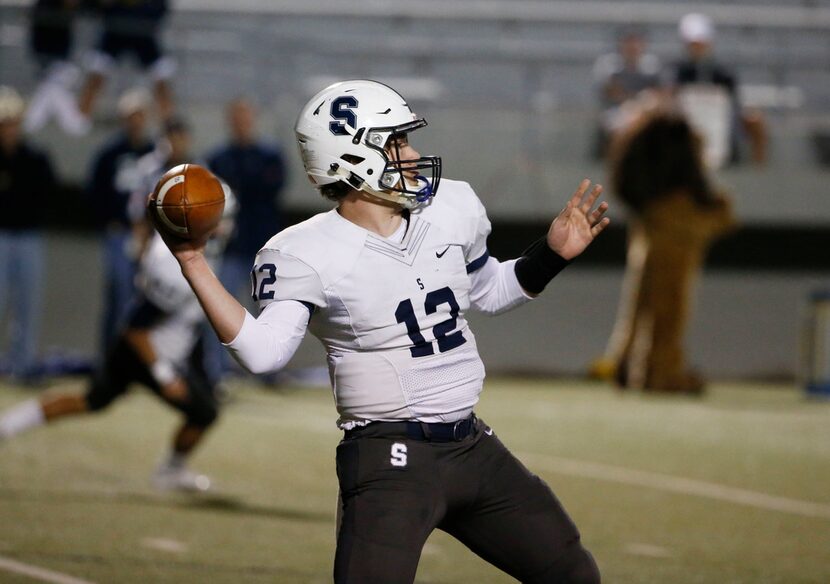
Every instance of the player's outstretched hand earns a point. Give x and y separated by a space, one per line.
579 223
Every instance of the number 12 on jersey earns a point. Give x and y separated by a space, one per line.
443 331
266 282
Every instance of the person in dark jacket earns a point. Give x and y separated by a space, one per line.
255 171
26 185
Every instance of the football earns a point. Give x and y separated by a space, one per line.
187 202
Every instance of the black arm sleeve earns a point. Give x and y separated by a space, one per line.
538 265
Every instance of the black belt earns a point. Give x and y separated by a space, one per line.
425 431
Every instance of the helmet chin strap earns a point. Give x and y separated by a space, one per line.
407 202
426 192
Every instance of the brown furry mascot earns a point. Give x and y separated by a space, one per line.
675 214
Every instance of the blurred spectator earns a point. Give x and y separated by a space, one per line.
130 28
621 76
50 39
113 179
26 187
675 214
696 76
255 171
699 66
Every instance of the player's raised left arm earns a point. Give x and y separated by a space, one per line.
570 233
500 286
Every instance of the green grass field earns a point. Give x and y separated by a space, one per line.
734 488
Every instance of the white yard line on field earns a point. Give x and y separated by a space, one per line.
41 574
164 544
673 484
647 550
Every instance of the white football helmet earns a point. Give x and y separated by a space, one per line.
342 133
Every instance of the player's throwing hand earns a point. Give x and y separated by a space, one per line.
184 250
577 225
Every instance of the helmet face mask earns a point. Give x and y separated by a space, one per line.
348 131
393 177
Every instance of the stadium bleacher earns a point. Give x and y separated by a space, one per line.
516 76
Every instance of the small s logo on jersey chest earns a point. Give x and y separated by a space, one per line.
398 453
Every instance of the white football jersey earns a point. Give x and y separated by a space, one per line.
161 282
389 312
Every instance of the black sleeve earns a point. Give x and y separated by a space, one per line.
538 265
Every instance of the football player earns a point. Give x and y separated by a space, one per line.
384 280
159 348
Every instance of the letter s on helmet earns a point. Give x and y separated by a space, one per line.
342 132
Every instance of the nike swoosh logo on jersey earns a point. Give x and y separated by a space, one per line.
441 254
489 431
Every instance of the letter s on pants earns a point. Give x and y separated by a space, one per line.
398 454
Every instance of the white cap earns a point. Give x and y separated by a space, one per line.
132 101
11 104
696 28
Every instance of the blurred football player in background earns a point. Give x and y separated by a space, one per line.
27 185
256 172
130 28
114 177
384 280
159 348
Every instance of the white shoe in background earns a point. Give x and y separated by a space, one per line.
180 478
